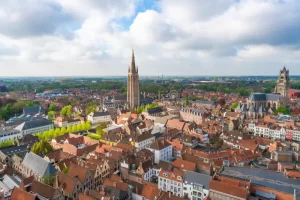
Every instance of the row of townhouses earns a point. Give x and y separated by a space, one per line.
277 133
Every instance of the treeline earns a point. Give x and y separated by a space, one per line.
99 85
228 89
7 143
12 107
52 133
141 109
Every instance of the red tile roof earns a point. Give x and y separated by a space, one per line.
228 188
184 165
19 194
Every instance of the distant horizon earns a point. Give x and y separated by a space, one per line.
151 76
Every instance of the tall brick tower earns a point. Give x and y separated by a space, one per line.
283 83
133 87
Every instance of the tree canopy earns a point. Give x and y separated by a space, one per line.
41 147
235 105
282 109
186 101
50 134
51 116
90 107
7 143
53 107
66 111
141 109
11 107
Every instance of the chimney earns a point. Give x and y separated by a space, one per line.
115 184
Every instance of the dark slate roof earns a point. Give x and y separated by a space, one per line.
38 164
205 102
8 151
33 110
28 139
265 194
264 97
155 110
99 114
271 179
120 98
193 111
119 194
197 178
35 124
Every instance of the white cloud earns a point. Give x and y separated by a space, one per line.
224 37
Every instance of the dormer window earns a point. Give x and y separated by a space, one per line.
179 178
165 174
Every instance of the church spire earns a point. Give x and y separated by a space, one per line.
132 66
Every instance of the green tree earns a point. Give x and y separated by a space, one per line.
235 105
41 147
102 125
79 127
7 143
94 136
65 170
66 111
74 128
63 130
69 129
100 132
83 126
51 134
57 132
139 109
53 107
282 109
48 179
51 116
90 107
88 125
186 101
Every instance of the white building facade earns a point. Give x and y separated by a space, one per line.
171 182
36 126
162 150
144 141
196 185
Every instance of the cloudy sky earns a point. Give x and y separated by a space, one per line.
170 37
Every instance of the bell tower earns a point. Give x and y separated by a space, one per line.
133 88
283 83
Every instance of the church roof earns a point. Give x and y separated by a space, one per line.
264 97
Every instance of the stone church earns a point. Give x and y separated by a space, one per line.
260 104
283 83
133 87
